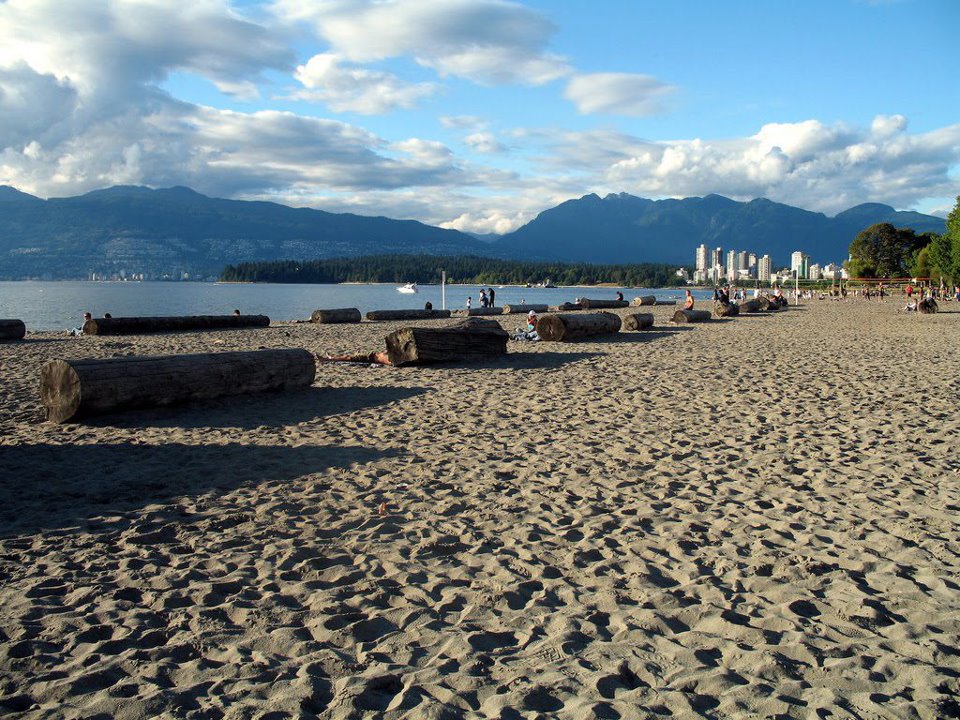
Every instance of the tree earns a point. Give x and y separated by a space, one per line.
884 251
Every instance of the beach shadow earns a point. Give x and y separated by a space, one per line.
518 357
61 486
263 409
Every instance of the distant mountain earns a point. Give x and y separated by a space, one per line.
176 230
627 229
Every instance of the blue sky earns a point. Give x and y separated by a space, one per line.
478 114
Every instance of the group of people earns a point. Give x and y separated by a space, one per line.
487 299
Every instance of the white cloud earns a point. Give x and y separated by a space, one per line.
617 94
484 142
352 89
463 122
487 41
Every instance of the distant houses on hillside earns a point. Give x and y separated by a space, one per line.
742 267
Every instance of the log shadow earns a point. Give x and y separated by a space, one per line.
519 358
246 412
62 486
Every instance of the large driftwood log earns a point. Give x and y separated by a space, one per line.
470 339
565 307
638 321
72 389
563 328
927 306
645 300
691 316
407 314
589 304
146 325
336 315
751 306
478 312
12 329
726 309
517 309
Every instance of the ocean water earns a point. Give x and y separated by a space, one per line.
60 305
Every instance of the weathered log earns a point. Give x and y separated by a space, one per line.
471 339
72 389
407 314
337 315
517 309
478 312
750 306
588 304
928 306
763 302
565 307
12 329
638 321
645 300
726 309
690 316
146 325
564 328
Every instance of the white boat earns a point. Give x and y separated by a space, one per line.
408 288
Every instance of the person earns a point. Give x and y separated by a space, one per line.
723 297
469 302
374 358
619 295
237 311
491 295
483 298
428 305
530 332
79 330
911 305
688 301
909 291
107 316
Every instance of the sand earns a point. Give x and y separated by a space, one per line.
751 518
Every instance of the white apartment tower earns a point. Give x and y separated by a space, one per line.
798 264
764 266
703 255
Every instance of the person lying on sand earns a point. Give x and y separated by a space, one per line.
374 358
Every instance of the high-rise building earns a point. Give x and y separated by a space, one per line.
813 272
732 265
752 260
742 260
798 264
764 266
703 254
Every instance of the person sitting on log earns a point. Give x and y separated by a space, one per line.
79 330
530 332
723 297
688 301
428 305
619 295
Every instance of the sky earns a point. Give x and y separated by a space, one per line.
479 114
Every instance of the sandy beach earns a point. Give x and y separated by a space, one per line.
751 518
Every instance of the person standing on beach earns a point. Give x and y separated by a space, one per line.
469 302
491 295
483 298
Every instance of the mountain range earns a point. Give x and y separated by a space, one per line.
176 231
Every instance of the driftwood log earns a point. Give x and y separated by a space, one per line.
726 309
337 315
564 328
645 300
478 311
638 321
927 306
12 329
470 339
72 389
146 325
690 316
751 306
517 309
588 304
407 314
565 307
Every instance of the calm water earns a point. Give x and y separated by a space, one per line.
60 305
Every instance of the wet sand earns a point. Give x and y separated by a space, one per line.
751 518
